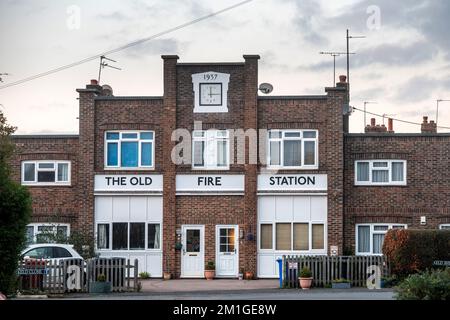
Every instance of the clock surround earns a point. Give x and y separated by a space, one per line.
210 92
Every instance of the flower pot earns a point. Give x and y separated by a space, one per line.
248 275
341 285
305 283
209 274
167 275
99 287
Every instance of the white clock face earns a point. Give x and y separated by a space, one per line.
211 94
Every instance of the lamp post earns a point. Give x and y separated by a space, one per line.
437 109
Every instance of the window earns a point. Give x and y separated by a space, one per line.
129 236
137 236
153 236
370 237
380 172
120 236
103 236
444 227
301 236
46 172
293 149
47 232
210 149
266 236
296 236
127 150
283 236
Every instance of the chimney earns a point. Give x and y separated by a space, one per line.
428 127
390 125
375 128
94 85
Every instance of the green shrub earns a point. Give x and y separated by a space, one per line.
15 212
144 275
101 277
410 251
305 273
429 285
210 265
340 280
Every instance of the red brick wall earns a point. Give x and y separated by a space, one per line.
428 182
50 204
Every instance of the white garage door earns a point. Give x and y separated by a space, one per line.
131 227
289 225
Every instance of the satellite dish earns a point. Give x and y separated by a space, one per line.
265 88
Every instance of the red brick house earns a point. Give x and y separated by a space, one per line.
259 175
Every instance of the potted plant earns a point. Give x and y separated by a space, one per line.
210 270
341 284
305 278
241 273
100 286
144 275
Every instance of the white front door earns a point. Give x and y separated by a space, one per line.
193 251
227 254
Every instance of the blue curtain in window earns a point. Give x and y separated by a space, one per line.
146 156
112 154
129 154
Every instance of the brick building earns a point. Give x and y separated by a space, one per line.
212 171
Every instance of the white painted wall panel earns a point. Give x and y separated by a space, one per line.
121 209
103 208
138 208
302 208
319 209
155 208
284 208
266 208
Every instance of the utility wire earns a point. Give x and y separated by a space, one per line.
399 120
131 44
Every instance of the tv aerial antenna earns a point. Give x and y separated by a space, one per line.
103 64
334 54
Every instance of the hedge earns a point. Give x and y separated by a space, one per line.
411 251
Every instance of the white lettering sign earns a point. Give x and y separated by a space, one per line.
292 182
128 182
210 183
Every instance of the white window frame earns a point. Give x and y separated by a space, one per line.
388 168
303 140
110 223
119 149
444 226
309 251
54 225
211 137
55 169
372 232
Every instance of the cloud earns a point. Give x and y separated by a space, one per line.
395 55
154 47
116 16
308 22
419 88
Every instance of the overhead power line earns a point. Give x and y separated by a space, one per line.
399 120
126 46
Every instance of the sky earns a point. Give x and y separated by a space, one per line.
402 64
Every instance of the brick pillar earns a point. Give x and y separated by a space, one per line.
169 168
86 158
250 198
337 102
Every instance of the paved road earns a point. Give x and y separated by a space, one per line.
273 294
